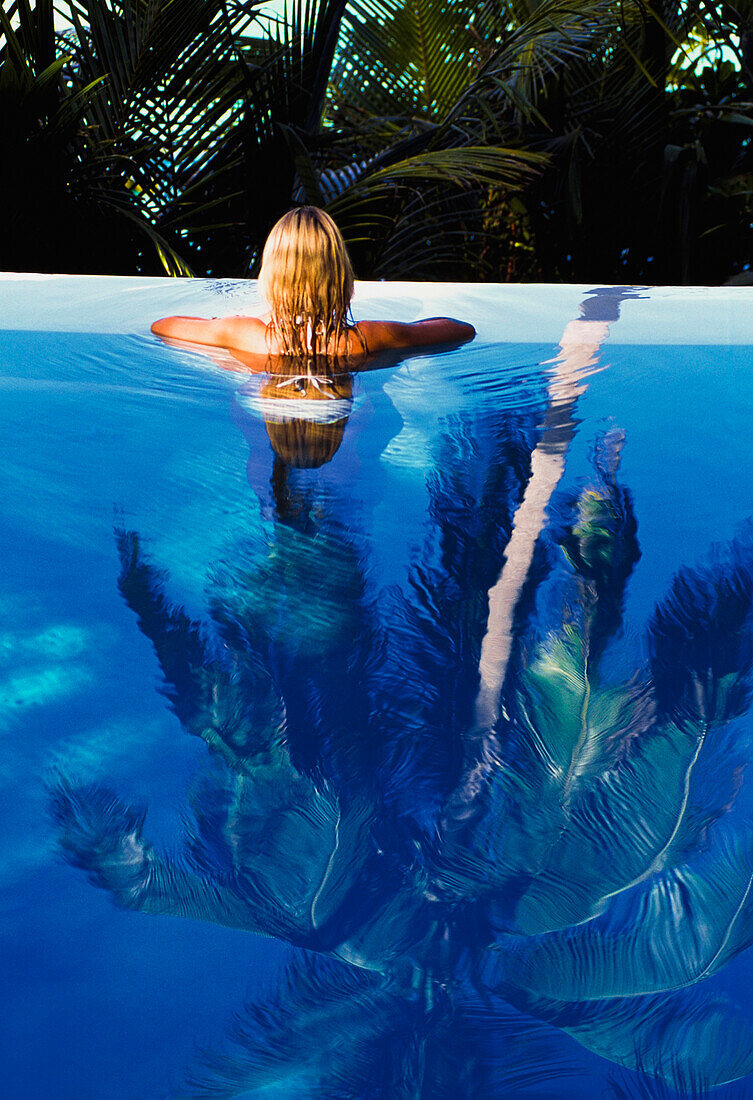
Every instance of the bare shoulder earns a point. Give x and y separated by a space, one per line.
247 334
383 335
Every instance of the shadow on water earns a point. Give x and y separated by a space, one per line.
591 883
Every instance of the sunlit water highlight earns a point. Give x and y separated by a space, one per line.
424 736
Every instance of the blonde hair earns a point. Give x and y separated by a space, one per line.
307 280
307 444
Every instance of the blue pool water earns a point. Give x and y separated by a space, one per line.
409 758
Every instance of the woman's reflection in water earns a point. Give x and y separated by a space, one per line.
304 408
294 413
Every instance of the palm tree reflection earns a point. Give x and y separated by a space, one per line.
601 880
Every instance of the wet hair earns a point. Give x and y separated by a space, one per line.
307 443
307 280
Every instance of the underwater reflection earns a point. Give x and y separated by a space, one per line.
296 410
303 409
592 883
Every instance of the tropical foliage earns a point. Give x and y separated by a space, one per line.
451 954
564 139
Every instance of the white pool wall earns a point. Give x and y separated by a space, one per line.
502 312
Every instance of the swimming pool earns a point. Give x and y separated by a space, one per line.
412 745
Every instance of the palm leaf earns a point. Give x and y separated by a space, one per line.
268 849
572 819
699 641
103 836
328 1026
302 881
685 925
402 59
466 166
693 1041
56 164
423 704
220 693
330 1030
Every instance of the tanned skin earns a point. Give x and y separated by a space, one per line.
250 334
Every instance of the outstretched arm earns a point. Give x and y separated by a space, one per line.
245 333
383 335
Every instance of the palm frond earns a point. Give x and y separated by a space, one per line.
572 820
425 690
699 640
332 1030
687 1042
101 835
327 1027
406 59
685 924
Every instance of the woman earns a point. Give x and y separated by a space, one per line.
307 281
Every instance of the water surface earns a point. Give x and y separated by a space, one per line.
408 758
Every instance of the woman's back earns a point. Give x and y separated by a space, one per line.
307 280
